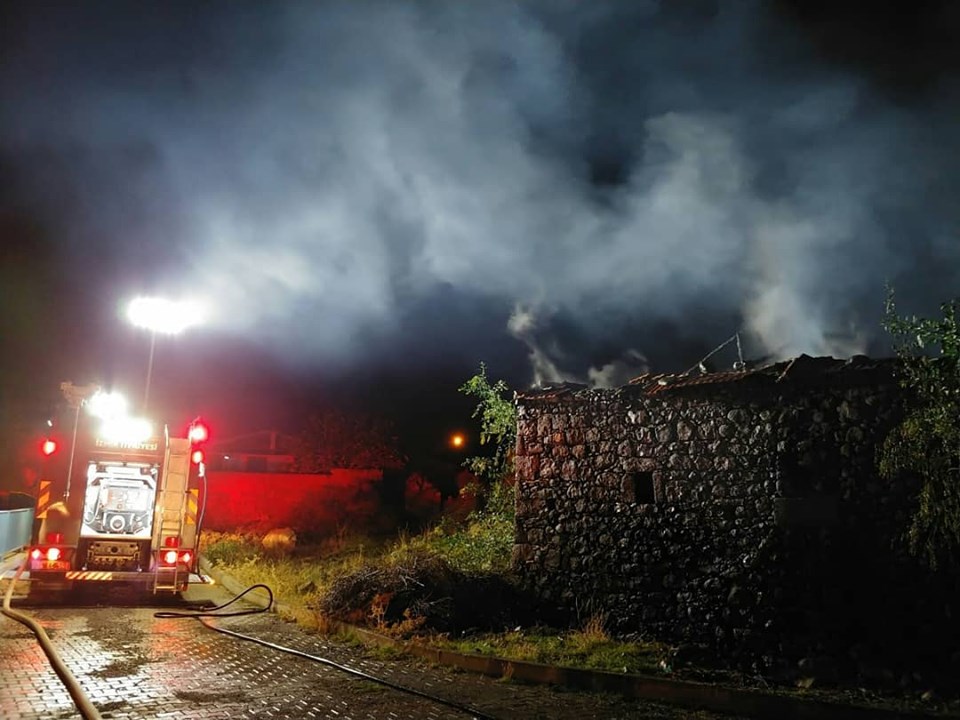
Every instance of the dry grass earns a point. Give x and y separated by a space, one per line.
406 589
299 578
574 648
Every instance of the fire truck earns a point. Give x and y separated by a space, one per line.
119 504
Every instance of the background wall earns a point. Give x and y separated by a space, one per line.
308 503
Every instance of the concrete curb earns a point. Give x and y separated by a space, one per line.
699 696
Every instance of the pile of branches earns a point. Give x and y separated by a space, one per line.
420 593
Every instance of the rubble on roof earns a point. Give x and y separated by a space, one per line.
803 369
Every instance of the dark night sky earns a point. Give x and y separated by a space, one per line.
376 196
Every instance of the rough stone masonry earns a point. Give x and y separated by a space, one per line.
740 510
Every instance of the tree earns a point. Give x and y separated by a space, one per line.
335 438
926 444
498 427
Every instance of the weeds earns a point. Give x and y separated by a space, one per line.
595 629
300 579
378 609
229 548
483 543
570 649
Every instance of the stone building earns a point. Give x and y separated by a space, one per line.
740 510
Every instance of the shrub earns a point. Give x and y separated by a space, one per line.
498 426
926 445
481 543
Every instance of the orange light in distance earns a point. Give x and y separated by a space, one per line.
457 440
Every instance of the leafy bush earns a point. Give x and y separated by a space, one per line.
481 543
926 444
498 426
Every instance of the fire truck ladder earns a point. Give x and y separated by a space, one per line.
171 506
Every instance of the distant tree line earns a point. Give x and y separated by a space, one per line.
345 437
339 438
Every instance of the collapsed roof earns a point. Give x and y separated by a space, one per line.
802 370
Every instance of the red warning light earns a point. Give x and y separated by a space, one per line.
198 433
197 457
48 447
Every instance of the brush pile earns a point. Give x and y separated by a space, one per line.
419 592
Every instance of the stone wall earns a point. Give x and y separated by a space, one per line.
747 516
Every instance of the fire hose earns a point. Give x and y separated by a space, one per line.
213 612
89 712
83 702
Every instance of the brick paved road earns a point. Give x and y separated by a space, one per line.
134 665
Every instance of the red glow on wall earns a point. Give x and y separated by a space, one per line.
305 502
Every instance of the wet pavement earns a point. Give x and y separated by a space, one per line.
134 665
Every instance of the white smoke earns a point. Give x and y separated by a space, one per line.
523 326
619 371
321 168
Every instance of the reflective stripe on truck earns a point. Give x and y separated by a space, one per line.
88 575
190 517
43 499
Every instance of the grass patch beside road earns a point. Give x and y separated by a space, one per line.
582 648
298 578
304 579
448 586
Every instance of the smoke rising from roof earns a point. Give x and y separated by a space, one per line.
322 169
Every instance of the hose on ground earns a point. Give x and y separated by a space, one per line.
81 700
213 612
